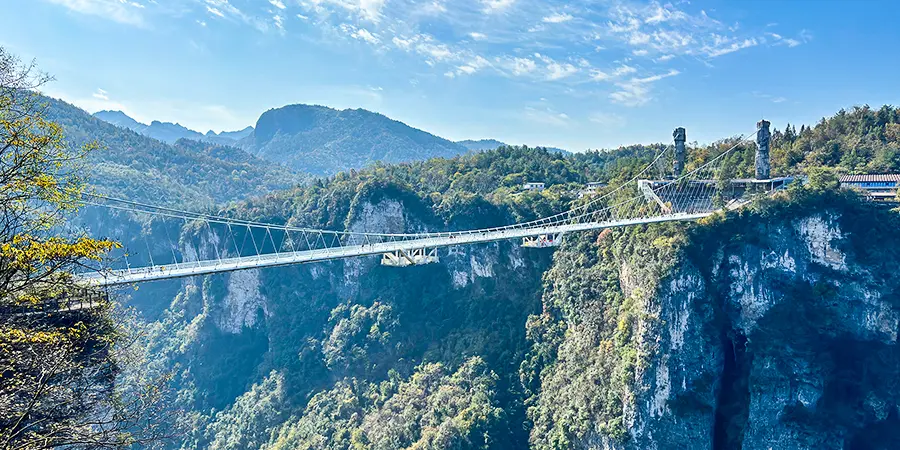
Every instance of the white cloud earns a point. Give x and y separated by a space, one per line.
769 97
477 36
639 52
629 24
100 94
279 22
803 38
557 18
665 58
121 11
638 38
214 11
490 6
522 66
624 70
277 3
556 70
472 66
663 14
731 48
599 75
368 10
404 44
434 8
201 23
655 78
631 94
636 91
361 34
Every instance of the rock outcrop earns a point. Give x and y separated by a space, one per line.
773 330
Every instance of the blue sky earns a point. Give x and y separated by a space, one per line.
576 74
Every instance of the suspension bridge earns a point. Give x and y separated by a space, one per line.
227 244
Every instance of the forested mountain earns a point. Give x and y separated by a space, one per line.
324 141
859 140
120 119
477 352
171 132
131 165
503 347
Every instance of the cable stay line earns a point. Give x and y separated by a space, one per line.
211 246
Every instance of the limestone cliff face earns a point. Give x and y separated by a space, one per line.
354 317
773 330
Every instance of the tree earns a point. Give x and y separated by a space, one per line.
60 350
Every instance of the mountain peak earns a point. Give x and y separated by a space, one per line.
120 119
322 140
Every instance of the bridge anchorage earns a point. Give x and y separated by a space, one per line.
208 244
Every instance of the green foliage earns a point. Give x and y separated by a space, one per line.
580 371
431 410
861 140
362 352
254 416
187 173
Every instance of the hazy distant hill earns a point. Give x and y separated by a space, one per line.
134 166
321 140
233 135
169 132
481 144
491 144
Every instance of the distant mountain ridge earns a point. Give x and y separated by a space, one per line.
481 144
317 139
491 144
169 132
130 164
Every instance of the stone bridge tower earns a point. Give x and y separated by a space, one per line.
763 167
680 136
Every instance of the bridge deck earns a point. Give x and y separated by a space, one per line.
187 269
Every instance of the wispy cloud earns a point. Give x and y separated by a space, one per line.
491 6
715 52
557 18
769 97
803 37
360 33
636 91
621 47
100 94
215 11
122 11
